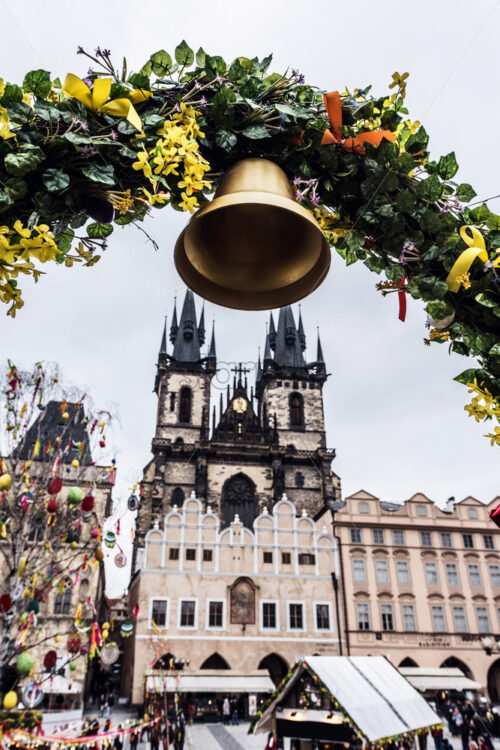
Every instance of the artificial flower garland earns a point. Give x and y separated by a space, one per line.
113 145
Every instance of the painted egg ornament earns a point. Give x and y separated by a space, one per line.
75 463
24 663
5 602
120 560
65 415
126 629
72 665
74 495
55 486
102 443
110 653
74 644
99 554
86 517
50 659
110 539
5 482
10 700
133 502
32 695
33 606
94 533
88 503
52 505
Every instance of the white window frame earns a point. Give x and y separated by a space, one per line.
494 577
304 619
455 607
421 511
473 514
364 508
393 617
456 574
179 612
445 624
356 532
215 627
356 572
395 532
277 610
378 566
446 535
330 620
413 614
474 565
408 573
427 567
367 605
150 618
485 608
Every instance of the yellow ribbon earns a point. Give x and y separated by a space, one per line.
476 249
97 98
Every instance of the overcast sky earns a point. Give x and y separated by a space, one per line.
393 413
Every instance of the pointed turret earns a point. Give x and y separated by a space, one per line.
187 342
201 326
174 327
319 356
267 351
288 351
163 345
211 351
272 332
302 335
259 370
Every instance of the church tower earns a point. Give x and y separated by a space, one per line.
182 385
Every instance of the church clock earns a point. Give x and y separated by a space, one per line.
240 405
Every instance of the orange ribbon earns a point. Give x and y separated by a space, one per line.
333 108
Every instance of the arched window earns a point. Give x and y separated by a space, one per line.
62 603
177 497
296 410
185 405
238 497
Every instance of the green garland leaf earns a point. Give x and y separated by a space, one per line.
38 83
55 180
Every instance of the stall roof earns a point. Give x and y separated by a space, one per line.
424 678
59 684
371 691
210 681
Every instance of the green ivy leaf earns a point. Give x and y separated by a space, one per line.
184 54
486 300
215 66
78 139
25 160
256 131
237 73
200 57
146 69
494 351
161 63
447 166
47 111
55 180
16 188
139 80
37 82
465 192
430 190
64 240
429 288
467 376
405 200
5 201
12 94
225 139
439 309
100 173
97 231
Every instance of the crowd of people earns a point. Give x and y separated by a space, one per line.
474 721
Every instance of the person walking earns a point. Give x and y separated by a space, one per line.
134 739
226 711
234 714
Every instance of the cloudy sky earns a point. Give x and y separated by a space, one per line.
393 412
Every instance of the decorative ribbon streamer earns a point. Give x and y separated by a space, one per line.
333 107
97 98
476 249
402 301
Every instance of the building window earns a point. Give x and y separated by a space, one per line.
468 541
215 614
364 507
306 558
159 612
173 553
268 557
495 575
483 621
185 405
363 616
489 542
387 617
207 555
296 410
269 615
446 540
382 571
172 402
355 536
177 497
403 571
409 622
299 479
426 538
322 617
474 575
472 513
452 574
438 620
378 536
296 619
190 554
188 610
358 571
431 574
421 510
460 620
398 537
286 558
62 602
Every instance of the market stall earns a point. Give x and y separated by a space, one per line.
354 701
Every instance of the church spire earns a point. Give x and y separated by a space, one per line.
288 351
272 332
267 350
163 345
201 326
302 335
174 327
211 351
187 341
319 356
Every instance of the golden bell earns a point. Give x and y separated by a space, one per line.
253 247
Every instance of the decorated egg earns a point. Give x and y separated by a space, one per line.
65 415
74 644
24 663
75 463
5 482
102 443
99 554
50 659
55 486
10 700
94 533
5 602
72 665
126 629
33 606
110 539
52 505
74 495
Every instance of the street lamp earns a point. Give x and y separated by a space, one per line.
489 645
333 507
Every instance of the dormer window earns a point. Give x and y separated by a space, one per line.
188 329
290 336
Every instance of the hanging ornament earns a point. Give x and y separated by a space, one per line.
99 554
126 629
75 463
109 654
74 495
65 415
50 660
52 505
32 695
24 663
5 482
5 602
10 700
72 666
87 507
133 502
33 606
120 560
74 644
110 539
55 486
